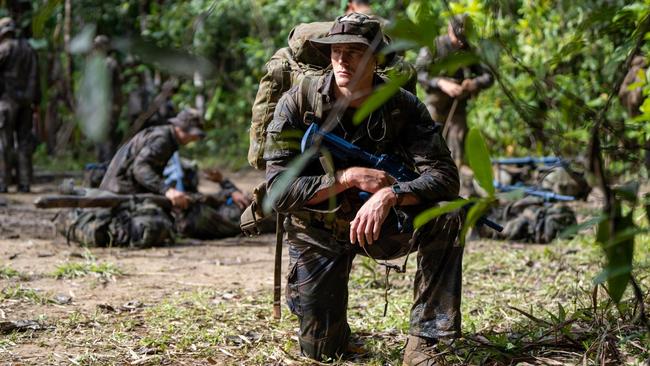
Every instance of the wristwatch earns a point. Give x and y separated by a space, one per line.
398 193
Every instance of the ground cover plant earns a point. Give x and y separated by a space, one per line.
522 303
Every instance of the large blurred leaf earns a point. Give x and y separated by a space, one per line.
285 179
432 213
619 254
83 42
42 15
473 215
94 99
173 61
479 160
379 97
450 64
574 229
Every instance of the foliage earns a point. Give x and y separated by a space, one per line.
81 269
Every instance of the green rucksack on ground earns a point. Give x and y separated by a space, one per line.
287 67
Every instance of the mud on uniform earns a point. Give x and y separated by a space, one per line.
439 103
320 252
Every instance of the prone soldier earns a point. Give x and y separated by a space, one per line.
323 242
19 94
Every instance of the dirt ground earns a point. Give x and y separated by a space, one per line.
30 245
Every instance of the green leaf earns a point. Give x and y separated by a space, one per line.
574 229
94 99
42 15
450 64
83 42
379 97
285 179
474 214
432 213
173 61
479 160
561 313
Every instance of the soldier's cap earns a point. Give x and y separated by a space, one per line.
352 28
7 25
190 121
102 41
458 25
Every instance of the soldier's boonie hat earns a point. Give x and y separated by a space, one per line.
352 28
459 25
190 121
7 25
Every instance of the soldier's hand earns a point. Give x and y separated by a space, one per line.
450 88
366 179
178 198
469 85
241 200
366 226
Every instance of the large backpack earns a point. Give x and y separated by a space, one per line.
287 67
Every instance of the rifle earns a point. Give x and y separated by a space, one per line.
532 191
530 160
347 151
107 200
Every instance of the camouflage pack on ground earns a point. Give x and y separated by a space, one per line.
133 224
288 66
531 220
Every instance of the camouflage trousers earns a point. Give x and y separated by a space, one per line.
209 221
16 143
317 290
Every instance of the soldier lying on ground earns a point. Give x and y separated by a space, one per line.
321 249
138 167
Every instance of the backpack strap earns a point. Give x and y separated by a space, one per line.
310 100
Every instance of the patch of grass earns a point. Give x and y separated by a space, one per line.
80 269
531 304
7 272
31 295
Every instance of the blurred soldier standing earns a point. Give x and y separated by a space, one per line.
106 149
19 95
447 95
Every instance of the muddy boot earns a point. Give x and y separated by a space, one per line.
24 188
421 351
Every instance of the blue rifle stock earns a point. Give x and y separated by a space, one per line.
528 160
347 151
532 191
173 172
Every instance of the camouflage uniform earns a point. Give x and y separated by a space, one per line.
19 92
439 103
138 166
320 252
633 99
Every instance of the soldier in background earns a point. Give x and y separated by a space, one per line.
19 96
106 149
633 99
447 95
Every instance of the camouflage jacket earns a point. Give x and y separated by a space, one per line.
19 72
402 127
138 166
444 48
